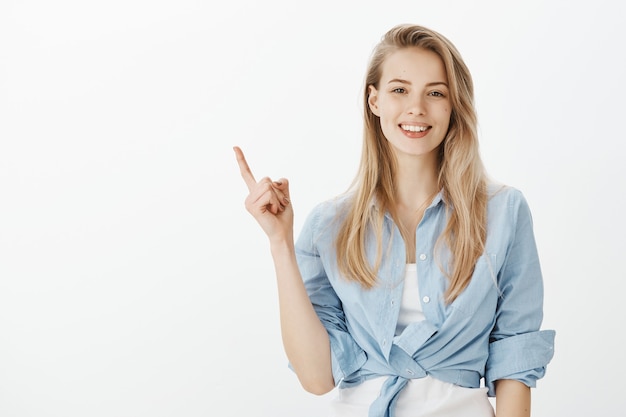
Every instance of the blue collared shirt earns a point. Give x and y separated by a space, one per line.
491 331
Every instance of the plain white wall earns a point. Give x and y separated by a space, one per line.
133 282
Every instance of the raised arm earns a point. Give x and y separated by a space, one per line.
305 339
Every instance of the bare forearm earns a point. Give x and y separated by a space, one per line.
305 339
512 399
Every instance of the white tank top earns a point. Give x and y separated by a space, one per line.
410 308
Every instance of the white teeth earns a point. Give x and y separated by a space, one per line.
412 128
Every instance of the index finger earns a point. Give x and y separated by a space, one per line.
244 169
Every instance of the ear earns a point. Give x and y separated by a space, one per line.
372 99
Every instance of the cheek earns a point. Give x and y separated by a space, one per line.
448 113
388 111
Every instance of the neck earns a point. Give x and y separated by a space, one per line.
416 181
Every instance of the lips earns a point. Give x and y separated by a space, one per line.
415 131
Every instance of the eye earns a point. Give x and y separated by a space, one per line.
399 90
436 94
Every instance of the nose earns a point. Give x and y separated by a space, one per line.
417 105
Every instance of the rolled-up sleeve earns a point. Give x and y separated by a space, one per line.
346 355
518 349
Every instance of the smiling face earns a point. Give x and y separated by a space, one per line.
412 101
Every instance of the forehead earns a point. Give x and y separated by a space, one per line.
414 64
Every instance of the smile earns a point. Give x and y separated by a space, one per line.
412 128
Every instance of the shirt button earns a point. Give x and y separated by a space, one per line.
423 257
426 299
384 342
392 302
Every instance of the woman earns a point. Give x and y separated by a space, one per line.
419 292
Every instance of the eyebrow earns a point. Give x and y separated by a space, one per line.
400 80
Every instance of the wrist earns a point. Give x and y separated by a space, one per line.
281 245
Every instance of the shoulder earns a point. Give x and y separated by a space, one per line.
504 196
327 213
507 204
331 208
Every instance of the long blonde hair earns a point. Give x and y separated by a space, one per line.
461 173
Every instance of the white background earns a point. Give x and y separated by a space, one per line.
132 280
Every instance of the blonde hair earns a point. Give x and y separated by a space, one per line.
461 173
